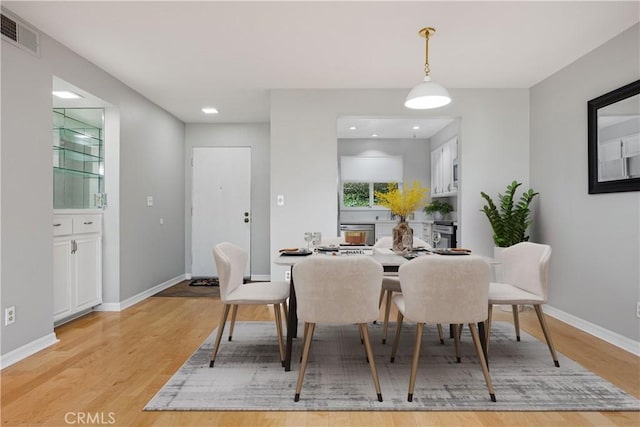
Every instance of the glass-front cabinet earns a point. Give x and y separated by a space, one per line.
78 158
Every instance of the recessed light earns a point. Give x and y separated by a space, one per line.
352 128
374 135
209 110
416 127
65 94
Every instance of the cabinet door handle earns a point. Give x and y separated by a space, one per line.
57 225
88 222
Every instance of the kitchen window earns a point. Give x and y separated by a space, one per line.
362 194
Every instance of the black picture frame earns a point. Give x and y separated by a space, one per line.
612 186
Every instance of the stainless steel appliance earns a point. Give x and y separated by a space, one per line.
358 234
447 232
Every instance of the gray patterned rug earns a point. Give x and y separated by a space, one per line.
248 375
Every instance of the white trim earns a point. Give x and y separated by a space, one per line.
123 305
27 350
611 337
261 277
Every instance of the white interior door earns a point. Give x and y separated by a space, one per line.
221 202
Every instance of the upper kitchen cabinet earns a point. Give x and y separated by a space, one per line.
444 161
78 158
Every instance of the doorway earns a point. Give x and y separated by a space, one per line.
221 204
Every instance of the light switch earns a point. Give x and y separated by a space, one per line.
149 200
280 200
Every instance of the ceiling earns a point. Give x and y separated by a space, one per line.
187 55
390 127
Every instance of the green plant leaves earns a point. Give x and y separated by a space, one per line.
509 222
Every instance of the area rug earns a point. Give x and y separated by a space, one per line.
212 281
248 375
183 289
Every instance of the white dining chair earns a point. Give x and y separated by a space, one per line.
230 261
337 290
443 289
391 283
524 280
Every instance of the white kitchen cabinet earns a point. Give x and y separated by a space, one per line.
442 160
77 264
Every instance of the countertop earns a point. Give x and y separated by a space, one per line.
382 221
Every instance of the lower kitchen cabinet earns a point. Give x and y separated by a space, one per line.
421 229
77 264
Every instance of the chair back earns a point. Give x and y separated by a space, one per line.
445 289
387 242
526 265
331 289
230 261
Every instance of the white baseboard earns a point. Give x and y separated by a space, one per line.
611 337
27 350
119 306
260 277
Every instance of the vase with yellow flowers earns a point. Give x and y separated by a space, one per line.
402 202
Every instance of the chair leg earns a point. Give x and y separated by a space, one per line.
456 340
414 363
439 325
278 315
223 321
304 336
309 328
364 330
387 310
286 312
379 302
396 339
547 335
516 320
487 332
234 312
483 361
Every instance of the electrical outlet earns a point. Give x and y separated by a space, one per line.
287 275
9 315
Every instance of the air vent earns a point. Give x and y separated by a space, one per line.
20 34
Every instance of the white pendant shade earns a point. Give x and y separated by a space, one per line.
427 95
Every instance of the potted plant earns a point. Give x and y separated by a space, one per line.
438 209
402 202
508 221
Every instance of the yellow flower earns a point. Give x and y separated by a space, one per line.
403 201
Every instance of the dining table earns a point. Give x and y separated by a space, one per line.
390 262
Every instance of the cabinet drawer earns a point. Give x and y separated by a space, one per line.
62 225
87 224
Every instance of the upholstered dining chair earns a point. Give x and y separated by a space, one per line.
391 283
443 289
338 290
525 272
230 261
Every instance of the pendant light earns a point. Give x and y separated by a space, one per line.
427 94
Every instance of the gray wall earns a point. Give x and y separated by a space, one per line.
494 122
594 272
151 163
256 136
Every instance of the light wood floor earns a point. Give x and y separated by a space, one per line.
109 365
